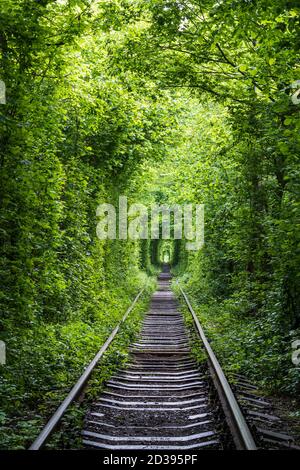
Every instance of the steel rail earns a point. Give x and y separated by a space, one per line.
240 430
57 416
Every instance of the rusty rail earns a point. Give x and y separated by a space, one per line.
82 381
240 430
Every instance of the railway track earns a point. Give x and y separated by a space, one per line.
163 400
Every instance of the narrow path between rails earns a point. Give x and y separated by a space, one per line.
162 400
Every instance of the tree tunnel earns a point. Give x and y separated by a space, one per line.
165 252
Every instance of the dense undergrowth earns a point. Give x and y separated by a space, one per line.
255 348
45 361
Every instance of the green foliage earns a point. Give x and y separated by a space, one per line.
256 348
239 155
243 280
72 136
43 363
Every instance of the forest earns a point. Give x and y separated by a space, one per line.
165 102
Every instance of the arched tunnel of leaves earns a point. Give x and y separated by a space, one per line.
166 102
